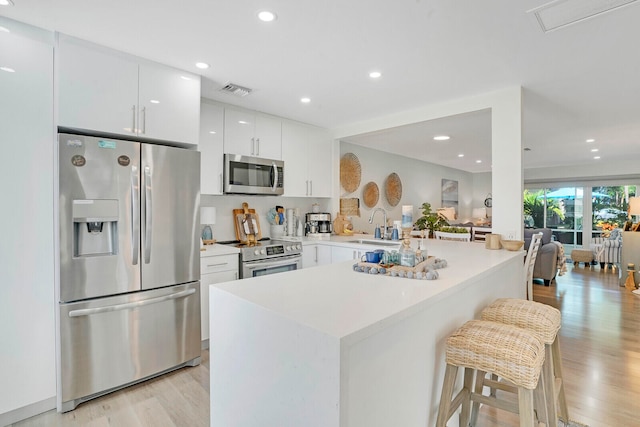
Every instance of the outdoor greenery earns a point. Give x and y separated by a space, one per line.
534 206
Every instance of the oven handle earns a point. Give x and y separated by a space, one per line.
274 262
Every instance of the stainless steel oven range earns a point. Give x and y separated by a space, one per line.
268 257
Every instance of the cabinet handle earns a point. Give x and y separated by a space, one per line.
316 254
217 265
354 254
310 187
133 123
221 186
257 146
144 120
253 146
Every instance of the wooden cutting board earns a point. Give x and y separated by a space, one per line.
247 225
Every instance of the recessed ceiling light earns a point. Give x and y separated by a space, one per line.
4 30
596 157
202 65
441 138
154 101
305 100
267 16
6 2
375 74
185 78
594 150
242 122
478 161
212 132
7 69
591 140
460 155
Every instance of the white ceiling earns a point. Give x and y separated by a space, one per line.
580 82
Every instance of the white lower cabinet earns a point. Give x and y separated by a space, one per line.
314 255
340 253
214 269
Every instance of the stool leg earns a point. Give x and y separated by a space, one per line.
480 375
466 403
525 407
549 386
446 396
557 371
540 403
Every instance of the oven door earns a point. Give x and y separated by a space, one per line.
270 266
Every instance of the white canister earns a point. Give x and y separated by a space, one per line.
315 208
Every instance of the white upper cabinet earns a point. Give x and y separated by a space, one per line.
252 134
306 151
169 103
211 148
108 91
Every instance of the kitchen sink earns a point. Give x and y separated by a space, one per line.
375 242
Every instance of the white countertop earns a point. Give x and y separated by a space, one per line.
342 303
215 249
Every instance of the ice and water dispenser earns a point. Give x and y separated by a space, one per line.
95 228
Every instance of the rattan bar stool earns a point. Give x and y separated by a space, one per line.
544 321
489 347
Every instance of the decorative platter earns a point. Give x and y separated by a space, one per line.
370 194
393 189
350 172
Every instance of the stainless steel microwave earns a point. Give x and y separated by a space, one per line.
253 175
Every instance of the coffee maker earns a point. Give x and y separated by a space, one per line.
318 223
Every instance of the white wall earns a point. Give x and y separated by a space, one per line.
421 182
506 150
27 359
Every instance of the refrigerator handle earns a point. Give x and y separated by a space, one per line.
135 216
148 217
130 305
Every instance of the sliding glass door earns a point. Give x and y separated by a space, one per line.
563 209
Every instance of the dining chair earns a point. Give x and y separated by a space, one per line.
529 263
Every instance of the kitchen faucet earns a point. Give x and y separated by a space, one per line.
384 224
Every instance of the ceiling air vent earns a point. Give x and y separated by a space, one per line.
561 13
235 89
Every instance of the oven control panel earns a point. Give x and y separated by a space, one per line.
270 251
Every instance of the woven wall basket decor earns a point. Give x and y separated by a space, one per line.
350 172
393 189
370 194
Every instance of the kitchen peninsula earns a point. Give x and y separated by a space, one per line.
331 347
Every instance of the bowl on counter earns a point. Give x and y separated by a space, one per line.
512 245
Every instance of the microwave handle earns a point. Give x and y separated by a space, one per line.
275 177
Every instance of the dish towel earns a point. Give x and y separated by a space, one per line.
562 261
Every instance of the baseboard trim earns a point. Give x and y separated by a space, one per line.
204 345
27 411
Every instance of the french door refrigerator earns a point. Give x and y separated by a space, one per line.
129 264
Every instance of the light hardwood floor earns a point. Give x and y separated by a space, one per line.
599 340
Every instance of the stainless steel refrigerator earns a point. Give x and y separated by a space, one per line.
129 264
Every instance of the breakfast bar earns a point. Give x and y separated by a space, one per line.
328 346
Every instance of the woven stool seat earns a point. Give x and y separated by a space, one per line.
582 255
545 322
512 353
542 319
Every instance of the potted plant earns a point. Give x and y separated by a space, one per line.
430 220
